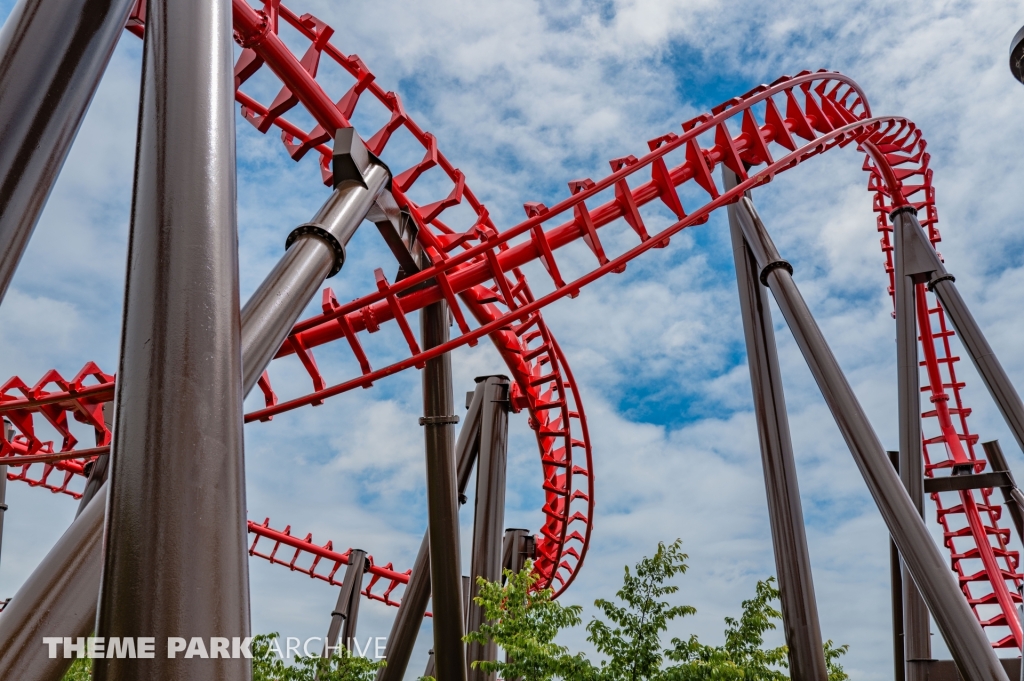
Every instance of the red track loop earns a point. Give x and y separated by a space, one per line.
823 110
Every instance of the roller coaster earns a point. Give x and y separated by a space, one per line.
470 274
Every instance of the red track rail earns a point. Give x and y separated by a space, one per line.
325 561
986 569
823 110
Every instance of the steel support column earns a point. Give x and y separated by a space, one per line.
963 635
916 625
346 612
517 547
9 434
792 558
899 658
175 552
315 251
406 626
971 335
442 499
52 56
489 516
43 604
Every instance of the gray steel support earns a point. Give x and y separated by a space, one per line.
315 251
43 604
899 658
52 56
517 547
57 599
429 670
346 612
175 553
960 629
442 499
785 513
1011 494
916 624
985 360
407 623
9 434
489 516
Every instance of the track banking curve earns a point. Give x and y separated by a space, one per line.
481 267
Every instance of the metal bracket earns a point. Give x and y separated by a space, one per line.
400 234
437 420
955 483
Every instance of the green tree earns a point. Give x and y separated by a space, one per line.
81 670
633 643
744 657
344 666
524 624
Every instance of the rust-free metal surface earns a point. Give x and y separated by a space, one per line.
954 617
175 560
442 500
785 513
917 643
52 56
407 623
489 515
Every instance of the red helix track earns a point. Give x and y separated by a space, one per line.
823 110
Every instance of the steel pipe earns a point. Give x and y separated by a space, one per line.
315 251
908 275
899 658
785 513
442 499
269 314
52 56
517 547
345 617
175 551
406 626
58 599
9 434
489 515
963 635
997 463
43 604
971 335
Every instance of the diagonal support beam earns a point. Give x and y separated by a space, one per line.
792 558
59 597
346 612
489 515
963 635
52 56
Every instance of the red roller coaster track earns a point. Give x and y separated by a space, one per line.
481 266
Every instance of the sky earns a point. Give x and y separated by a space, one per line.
524 97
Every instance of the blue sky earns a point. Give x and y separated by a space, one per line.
524 97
